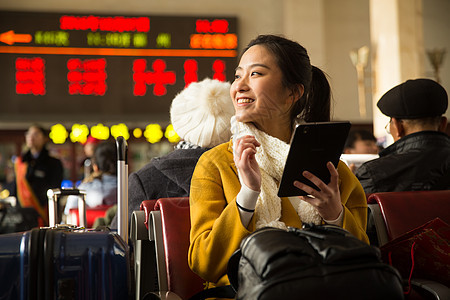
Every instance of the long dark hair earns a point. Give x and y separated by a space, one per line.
294 63
105 156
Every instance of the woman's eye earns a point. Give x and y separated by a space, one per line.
255 73
236 76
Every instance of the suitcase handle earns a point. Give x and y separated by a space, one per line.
122 188
54 194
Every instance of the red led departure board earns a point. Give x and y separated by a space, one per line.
107 68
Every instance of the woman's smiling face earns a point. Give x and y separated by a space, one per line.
258 94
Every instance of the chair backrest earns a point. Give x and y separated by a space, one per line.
175 229
404 211
92 213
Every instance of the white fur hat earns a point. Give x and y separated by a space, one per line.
201 113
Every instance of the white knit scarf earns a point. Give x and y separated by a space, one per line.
271 157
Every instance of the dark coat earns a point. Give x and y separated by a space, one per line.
43 173
418 161
162 177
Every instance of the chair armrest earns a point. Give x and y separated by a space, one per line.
138 230
156 234
438 290
145 271
377 218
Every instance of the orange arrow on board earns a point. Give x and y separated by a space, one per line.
10 38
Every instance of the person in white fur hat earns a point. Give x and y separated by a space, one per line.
200 115
234 185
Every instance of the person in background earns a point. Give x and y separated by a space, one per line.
360 146
234 185
200 115
101 185
360 141
419 158
88 149
36 172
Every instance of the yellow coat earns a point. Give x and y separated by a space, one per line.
216 228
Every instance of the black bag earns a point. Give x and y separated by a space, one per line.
317 262
17 219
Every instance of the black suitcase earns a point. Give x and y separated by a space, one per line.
69 262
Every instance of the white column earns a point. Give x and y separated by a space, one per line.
397 51
303 22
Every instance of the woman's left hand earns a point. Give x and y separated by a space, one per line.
327 201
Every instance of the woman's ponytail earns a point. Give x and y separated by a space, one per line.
317 101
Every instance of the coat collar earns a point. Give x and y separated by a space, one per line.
232 164
417 140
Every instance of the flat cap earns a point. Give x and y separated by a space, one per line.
414 99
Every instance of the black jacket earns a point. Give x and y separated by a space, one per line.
162 177
43 173
419 161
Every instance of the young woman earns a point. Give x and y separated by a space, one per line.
234 185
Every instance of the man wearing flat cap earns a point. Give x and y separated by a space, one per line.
419 158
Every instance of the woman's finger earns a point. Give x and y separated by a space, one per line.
245 142
316 180
248 139
311 200
249 169
306 188
334 179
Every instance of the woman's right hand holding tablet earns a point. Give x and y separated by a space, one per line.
245 160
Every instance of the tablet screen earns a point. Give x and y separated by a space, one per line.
312 146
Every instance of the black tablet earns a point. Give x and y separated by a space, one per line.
312 146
